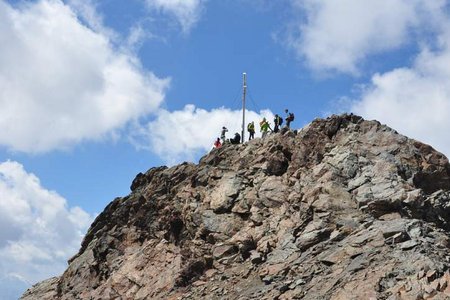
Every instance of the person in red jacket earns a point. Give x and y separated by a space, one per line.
217 143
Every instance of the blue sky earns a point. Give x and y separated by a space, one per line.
94 92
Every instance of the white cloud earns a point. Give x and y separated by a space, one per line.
415 100
86 10
339 35
136 37
62 82
184 134
38 231
187 12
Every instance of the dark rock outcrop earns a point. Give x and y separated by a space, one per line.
343 209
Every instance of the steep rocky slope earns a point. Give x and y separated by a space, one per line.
342 209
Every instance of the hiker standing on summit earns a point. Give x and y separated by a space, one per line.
278 121
222 135
251 130
264 127
289 118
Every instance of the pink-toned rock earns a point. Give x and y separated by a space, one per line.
342 209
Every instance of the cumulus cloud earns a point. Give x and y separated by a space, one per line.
63 82
38 231
187 133
414 100
339 35
186 12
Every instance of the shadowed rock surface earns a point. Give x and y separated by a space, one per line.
342 209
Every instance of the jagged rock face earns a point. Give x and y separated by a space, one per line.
343 209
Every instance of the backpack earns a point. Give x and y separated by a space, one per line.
291 117
250 127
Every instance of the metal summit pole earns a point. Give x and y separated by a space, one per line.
244 75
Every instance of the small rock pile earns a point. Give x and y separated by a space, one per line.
343 209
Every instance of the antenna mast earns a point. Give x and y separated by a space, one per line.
244 88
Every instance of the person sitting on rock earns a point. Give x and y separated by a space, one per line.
236 139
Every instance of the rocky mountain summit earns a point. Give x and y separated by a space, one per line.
342 209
